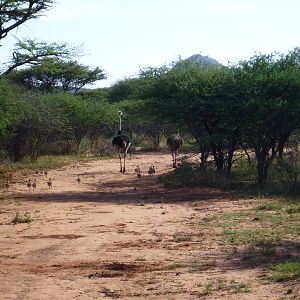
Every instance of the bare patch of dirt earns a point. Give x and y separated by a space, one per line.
115 236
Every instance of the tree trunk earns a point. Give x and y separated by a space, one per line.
262 171
280 152
248 156
264 160
229 163
218 155
231 149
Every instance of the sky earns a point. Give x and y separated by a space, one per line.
124 36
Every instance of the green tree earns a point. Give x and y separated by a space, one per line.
204 101
42 120
14 13
102 120
32 52
45 120
127 95
271 84
56 73
121 90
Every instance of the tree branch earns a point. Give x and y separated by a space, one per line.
13 11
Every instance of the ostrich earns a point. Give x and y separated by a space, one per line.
174 142
121 144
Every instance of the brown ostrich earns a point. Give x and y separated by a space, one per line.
174 142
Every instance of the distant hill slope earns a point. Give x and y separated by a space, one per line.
197 60
203 60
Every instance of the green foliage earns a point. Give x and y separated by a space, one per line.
144 127
48 68
286 271
204 101
16 12
271 86
221 284
242 179
45 119
277 206
41 163
266 225
33 52
240 287
253 104
8 110
53 73
187 174
34 123
101 113
31 123
262 235
123 90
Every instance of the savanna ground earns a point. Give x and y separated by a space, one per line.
114 236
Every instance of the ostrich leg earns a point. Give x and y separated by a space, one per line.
125 154
176 156
121 169
124 163
174 159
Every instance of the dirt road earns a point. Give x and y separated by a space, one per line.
116 236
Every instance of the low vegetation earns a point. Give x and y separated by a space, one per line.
268 223
286 271
267 234
19 218
221 284
282 180
42 163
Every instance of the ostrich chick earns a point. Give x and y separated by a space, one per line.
151 170
29 183
7 185
78 178
137 170
34 184
49 183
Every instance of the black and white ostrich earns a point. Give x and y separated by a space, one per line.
121 144
174 142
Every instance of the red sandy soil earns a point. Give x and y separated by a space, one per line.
114 236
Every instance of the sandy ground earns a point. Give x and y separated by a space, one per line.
114 236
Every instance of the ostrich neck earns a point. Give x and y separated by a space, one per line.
120 123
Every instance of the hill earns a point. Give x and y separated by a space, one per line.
203 60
